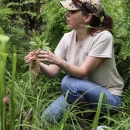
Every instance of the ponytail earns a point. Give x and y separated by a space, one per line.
98 25
107 23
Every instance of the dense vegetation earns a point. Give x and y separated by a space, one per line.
22 21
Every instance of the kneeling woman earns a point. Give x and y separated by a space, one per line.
86 55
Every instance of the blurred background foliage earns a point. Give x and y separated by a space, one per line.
22 20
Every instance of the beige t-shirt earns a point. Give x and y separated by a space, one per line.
99 45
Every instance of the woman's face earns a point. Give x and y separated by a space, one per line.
75 19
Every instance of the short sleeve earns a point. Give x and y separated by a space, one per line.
102 45
64 44
60 49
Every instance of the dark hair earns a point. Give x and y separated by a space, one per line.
98 25
107 23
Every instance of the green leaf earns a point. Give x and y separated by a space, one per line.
40 44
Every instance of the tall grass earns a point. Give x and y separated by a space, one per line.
37 99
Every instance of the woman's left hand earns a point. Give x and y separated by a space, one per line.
48 56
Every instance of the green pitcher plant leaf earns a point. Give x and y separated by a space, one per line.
3 56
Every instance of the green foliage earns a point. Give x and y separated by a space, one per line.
119 10
28 96
17 20
28 19
1 31
97 115
54 17
29 13
39 44
22 17
5 13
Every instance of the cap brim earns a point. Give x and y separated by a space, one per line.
69 5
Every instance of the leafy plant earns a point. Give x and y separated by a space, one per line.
39 44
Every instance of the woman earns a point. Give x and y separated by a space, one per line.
86 55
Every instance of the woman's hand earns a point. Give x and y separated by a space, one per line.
49 57
44 56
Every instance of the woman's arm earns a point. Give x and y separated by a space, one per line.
49 70
89 65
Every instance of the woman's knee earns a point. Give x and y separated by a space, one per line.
55 110
65 84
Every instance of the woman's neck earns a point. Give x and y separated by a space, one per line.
81 35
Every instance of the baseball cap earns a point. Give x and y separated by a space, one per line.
94 7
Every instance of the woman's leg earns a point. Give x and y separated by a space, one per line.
55 110
81 89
